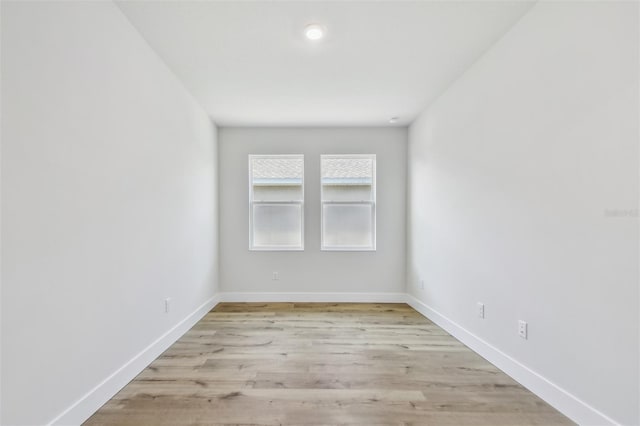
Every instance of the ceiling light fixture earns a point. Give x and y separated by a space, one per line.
393 120
314 32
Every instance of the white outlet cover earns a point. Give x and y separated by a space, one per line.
522 329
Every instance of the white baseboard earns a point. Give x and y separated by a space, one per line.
569 405
83 408
313 297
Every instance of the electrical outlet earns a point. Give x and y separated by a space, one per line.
421 284
480 310
522 329
167 305
275 276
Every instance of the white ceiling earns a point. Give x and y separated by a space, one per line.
249 64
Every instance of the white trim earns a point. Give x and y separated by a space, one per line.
313 297
83 408
568 404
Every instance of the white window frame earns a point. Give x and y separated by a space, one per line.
253 202
371 202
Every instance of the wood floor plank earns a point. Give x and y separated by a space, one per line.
322 364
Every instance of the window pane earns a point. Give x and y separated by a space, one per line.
347 193
347 179
277 179
277 225
277 193
347 171
347 225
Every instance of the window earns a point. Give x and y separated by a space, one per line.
276 199
348 202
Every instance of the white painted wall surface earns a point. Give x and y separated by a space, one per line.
312 270
514 175
109 202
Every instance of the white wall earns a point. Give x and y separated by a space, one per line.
312 270
515 174
108 205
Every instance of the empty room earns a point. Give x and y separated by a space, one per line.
319 212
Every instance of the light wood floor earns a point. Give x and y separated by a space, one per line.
311 363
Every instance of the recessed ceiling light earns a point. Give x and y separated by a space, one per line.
393 120
314 31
